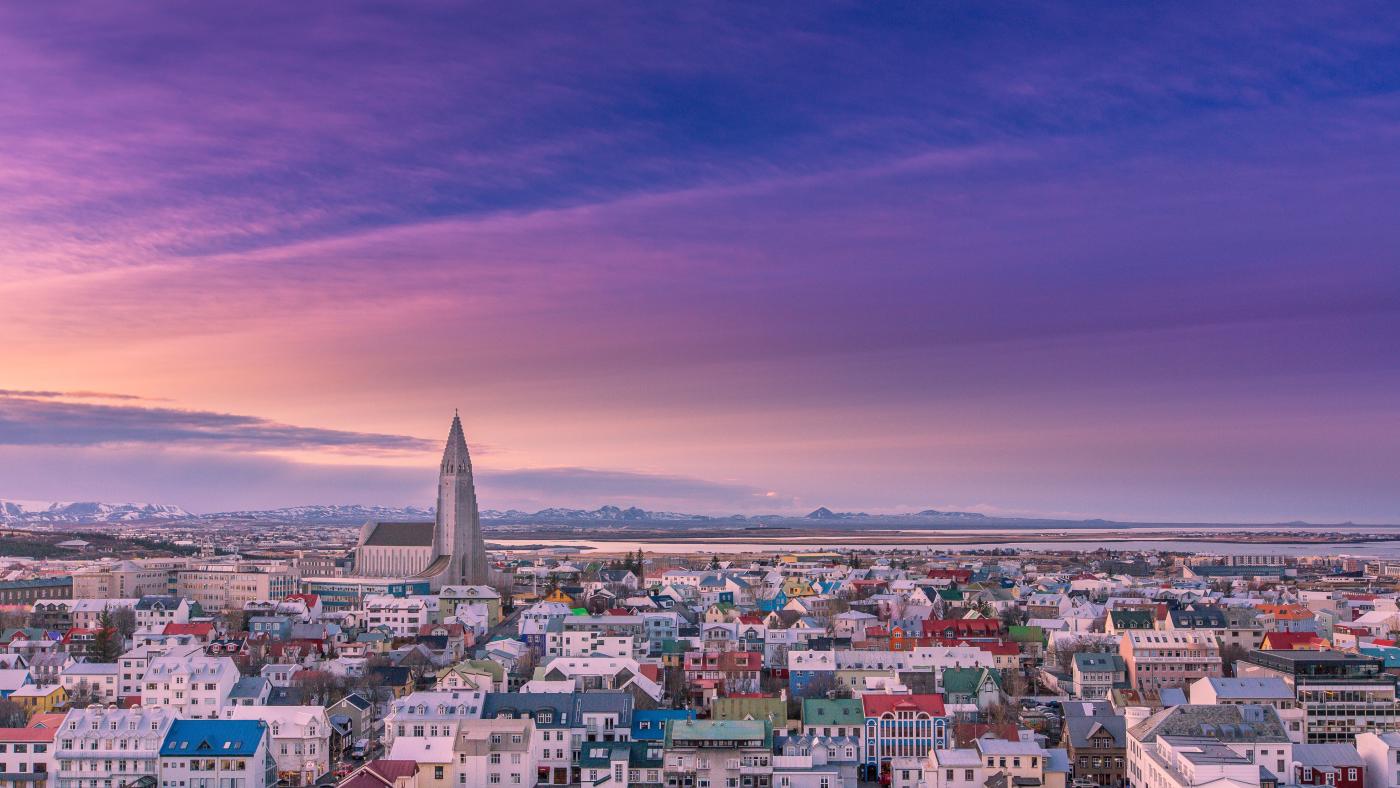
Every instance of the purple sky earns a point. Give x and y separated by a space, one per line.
1132 262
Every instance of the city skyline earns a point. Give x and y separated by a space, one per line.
1132 263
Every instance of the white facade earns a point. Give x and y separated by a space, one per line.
191 684
1381 752
402 616
300 737
101 747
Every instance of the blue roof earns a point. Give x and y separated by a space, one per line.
656 722
213 737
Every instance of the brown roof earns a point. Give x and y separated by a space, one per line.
401 535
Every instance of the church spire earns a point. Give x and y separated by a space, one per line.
455 458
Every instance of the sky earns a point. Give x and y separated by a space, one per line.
1133 261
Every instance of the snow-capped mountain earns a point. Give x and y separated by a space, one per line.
18 512
341 513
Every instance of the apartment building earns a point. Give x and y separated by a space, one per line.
1163 659
101 747
701 753
193 685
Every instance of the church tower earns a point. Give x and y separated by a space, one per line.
457 531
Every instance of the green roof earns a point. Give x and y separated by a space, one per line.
679 731
844 711
774 709
965 681
1020 633
950 594
1133 619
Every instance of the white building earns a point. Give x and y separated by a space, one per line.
400 615
495 752
300 738
100 747
1184 761
193 685
1381 752
95 682
431 714
134 663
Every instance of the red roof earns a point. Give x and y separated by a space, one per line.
46 720
28 734
1290 641
382 772
309 599
1004 649
961 627
875 705
651 670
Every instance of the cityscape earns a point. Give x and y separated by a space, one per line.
699 395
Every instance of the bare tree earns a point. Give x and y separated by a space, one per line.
1231 653
124 619
12 715
1065 651
13 619
83 694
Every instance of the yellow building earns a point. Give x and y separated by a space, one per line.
40 700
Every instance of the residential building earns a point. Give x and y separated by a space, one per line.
1157 660
217 754
102 747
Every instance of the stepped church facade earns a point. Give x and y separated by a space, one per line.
447 551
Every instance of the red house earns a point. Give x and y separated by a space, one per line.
1333 765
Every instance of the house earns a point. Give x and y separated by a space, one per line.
898 725
355 712
563 718
1293 641
91 682
383 773
1162 659
28 756
224 752
12 679
977 686
40 700
193 685
1335 764
1380 752
706 751
827 718
1096 739
496 752
154 611
300 738
1094 675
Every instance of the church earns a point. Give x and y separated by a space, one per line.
447 551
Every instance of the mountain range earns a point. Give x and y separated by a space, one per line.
17 512
14 512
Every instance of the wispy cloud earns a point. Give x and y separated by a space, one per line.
71 395
44 421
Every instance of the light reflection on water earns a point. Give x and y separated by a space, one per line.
1077 539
